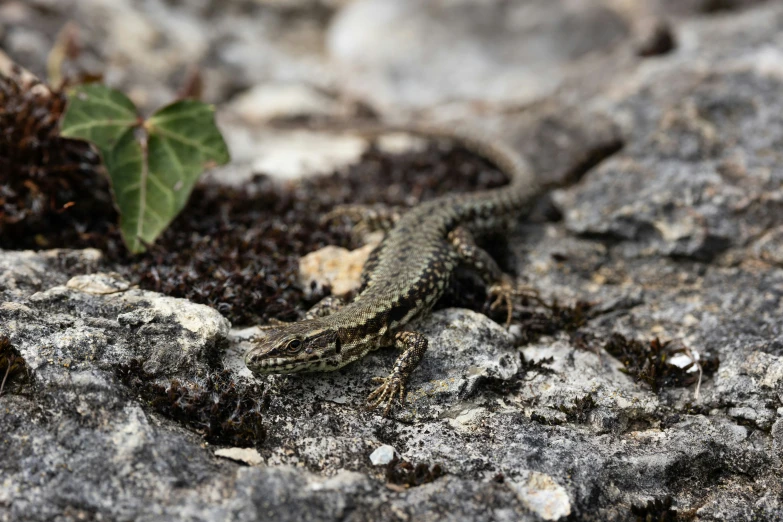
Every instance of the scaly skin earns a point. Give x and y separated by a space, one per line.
403 278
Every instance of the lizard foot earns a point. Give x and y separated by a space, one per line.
503 293
391 387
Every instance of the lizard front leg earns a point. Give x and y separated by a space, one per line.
501 286
413 345
325 307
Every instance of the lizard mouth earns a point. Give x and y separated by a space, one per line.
283 365
276 365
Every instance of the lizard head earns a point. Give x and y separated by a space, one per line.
296 347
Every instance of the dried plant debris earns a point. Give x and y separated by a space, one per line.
49 186
13 369
651 363
400 472
220 409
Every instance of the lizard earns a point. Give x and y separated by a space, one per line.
404 276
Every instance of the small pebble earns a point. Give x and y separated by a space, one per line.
249 456
383 455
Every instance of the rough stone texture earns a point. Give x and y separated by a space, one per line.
68 327
149 51
675 235
438 51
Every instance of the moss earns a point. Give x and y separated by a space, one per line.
649 362
546 421
580 409
658 510
13 369
220 409
402 473
576 413
238 250
538 318
50 187
527 370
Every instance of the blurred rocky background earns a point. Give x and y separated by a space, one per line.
644 383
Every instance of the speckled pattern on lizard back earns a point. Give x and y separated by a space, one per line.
403 278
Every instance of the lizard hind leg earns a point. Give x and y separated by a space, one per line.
503 293
366 219
393 387
502 288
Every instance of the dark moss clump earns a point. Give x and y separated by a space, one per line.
527 370
546 421
549 318
13 368
580 409
237 250
402 473
658 510
51 193
650 362
221 410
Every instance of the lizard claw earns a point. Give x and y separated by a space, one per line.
391 387
502 292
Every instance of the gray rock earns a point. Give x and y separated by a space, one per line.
672 236
415 54
542 496
22 273
68 326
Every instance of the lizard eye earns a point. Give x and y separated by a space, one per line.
294 346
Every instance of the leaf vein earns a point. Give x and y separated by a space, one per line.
182 139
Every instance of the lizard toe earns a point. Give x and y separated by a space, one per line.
385 394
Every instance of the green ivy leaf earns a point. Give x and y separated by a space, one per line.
153 165
98 114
